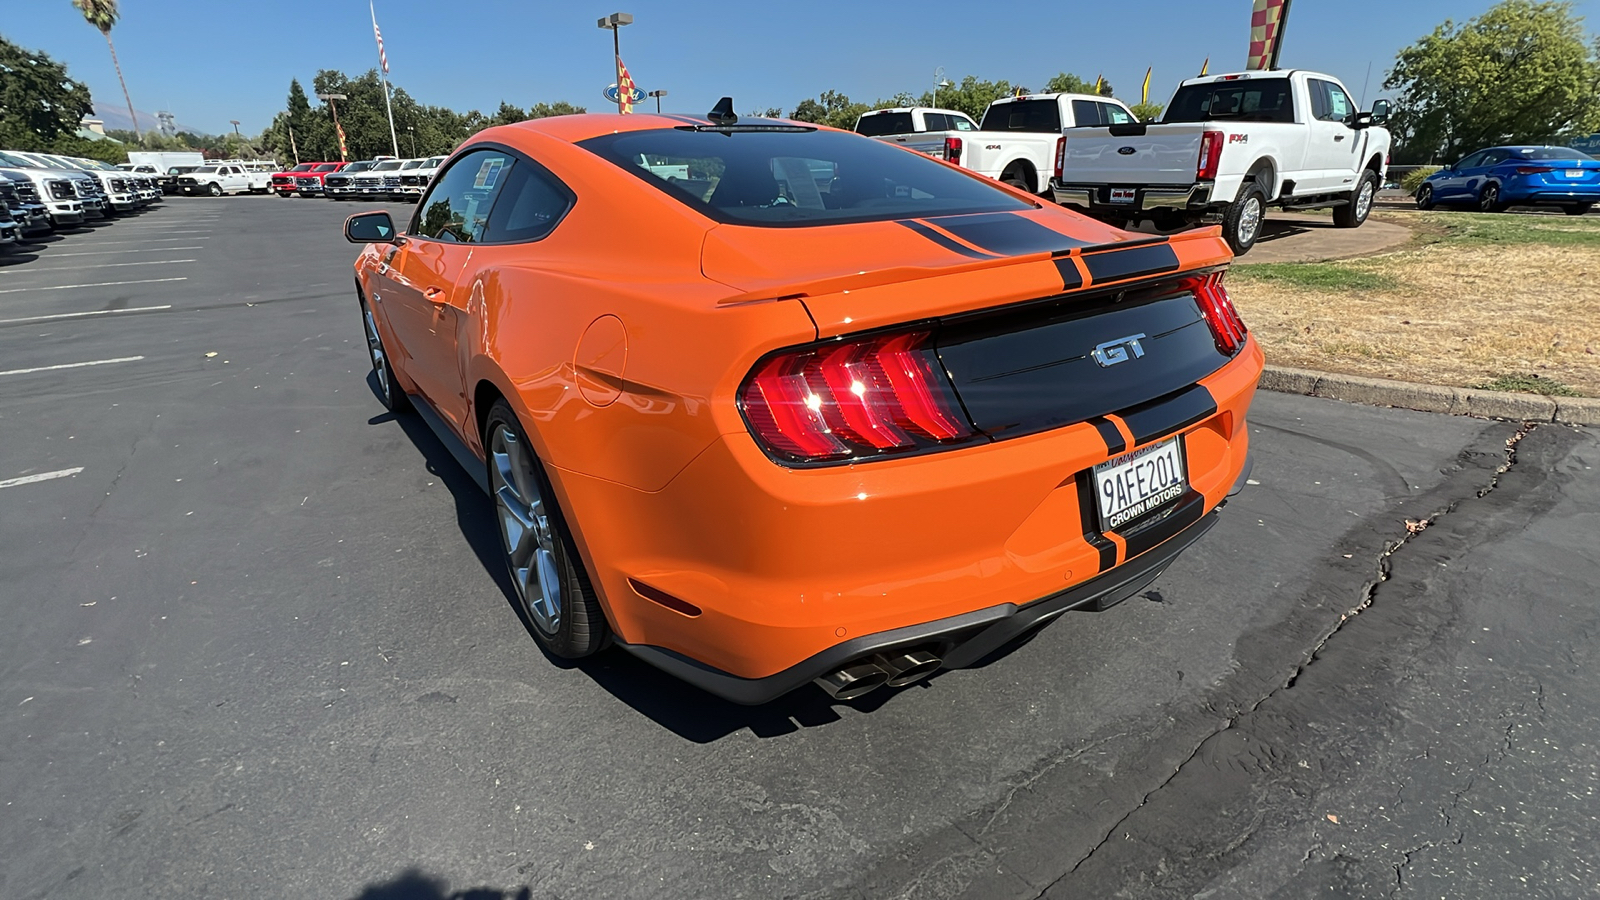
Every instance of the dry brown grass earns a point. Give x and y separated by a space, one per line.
1456 314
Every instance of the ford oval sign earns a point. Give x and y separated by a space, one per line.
1127 151
611 93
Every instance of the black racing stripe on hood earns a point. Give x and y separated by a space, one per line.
943 240
1132 262
1006 234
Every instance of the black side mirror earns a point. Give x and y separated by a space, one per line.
370 228
1360 120
1380 112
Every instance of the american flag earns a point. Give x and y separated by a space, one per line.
624 88
383 58
1266 33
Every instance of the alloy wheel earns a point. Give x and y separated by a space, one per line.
525 528
1489 201
1425 197
1249 220
1364 200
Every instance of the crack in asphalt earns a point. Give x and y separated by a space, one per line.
1368 595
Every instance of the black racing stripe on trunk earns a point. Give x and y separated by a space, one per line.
1071 278
1172 413
1131 262
1006 234
1181 515
1089 507
943 240
1115 442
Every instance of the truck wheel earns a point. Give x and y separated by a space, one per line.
1241 224
1018 182
1352 214
214 189
1425 197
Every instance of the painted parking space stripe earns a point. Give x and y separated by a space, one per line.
92 312
78 365
149 241
151 262
42 476
67 287
110 252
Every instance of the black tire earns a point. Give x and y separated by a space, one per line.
1425 197
517 480
1241 224
389 392
1359 204
214 189
1577 209
1018 182
1489 199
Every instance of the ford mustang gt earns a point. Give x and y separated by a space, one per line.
766 403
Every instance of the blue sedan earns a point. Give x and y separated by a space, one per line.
1493 179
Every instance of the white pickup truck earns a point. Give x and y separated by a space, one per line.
1016 142
227 178
940 133
1227 148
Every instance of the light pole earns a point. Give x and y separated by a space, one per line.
412 131
939 81
658 95
237 139
329 98
615 21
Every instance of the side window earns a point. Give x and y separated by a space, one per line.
1339 105
456 207
1473 161
1111 114
531 205
1318 89
1085 112
962 123
936 121
1494 158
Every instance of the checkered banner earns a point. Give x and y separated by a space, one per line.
1266 33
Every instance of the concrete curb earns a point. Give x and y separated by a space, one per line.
1433 398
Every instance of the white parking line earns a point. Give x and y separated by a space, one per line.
110 252
64 287
93 362
151 262
150 241
173 231
79 315
42 476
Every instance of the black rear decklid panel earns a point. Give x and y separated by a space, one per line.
1032 369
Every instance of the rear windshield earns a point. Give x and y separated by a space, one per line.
875 124
1248 100
797 178
1037 116
1552 153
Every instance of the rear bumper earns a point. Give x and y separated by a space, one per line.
1096 198
1534 195
780 567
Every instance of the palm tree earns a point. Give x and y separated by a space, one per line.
102 14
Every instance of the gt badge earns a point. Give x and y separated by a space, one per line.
1118 351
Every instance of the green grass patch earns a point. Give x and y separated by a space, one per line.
1528 384
1482 229
1316 276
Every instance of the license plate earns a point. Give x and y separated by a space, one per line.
1138 483
1574 173
1122 195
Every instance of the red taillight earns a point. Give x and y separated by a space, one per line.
1217 307
1205 168
1061 156
1533 170
869 397
952 150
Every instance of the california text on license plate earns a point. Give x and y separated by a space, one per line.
1122 195
1132 485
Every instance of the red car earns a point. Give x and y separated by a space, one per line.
304 179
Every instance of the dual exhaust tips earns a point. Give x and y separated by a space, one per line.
867 674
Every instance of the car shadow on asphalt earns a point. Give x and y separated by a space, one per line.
15 257
675 705
1277 230
412 884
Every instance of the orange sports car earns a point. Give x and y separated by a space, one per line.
766 403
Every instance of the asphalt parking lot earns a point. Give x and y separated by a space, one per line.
261 645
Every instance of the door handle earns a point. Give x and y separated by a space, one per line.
1338 137
434 295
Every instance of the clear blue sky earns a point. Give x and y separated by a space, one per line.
209 62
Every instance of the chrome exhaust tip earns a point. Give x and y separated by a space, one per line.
907 667
854 680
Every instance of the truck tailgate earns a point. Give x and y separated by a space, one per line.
1163 155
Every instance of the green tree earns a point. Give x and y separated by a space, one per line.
103 14
1065 83
1523 72
1147 112
38 102
972 96
830 108
543 110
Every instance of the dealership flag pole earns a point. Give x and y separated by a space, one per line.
383 65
